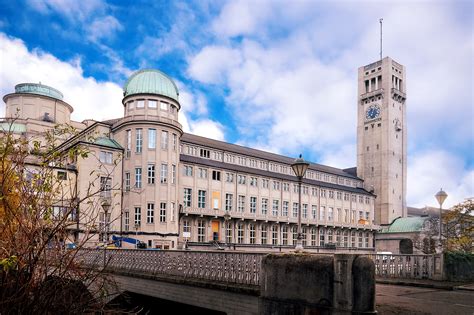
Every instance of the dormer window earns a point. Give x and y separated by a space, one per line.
151 104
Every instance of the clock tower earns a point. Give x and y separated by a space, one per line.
382 136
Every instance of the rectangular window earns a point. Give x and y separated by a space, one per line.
295 209
105 187
62 175
127 181
228 233
140 103
331 194
264 206
252 233
151 104
322 215
151 138
253 181
285 208
229 177
150 213
172 211
314 212
151 173
265 183
229 201
201 230
163 106
240 233
276 207
164 140
253 204
173 174
241 204
330 214
323 193
162 211
346 215
188 170
241 179
263 234
187 197
216 175
175 141
139 141
305 211
204 153
138 216
164 174
275 234
284 235
313 237
202 173
126 223
276 185
202 199
138 177
129 140
105 157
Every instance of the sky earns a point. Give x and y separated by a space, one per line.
280 76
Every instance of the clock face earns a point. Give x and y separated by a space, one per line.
372 112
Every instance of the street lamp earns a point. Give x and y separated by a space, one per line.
136 235
226 219
106 206
441 197
299 166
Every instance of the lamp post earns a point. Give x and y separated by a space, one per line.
106 206
226 220
136 235
299 166
441 197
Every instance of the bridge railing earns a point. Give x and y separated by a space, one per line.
408 266
221 267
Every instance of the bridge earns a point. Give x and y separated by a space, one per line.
256 283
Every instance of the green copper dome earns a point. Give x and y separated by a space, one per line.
40 89
151 81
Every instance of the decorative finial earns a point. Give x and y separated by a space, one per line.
301 156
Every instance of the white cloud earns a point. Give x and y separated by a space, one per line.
72 10
103 28
429 171
90 98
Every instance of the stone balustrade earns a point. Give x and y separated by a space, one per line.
408 266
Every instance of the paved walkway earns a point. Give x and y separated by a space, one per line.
398 299
422 283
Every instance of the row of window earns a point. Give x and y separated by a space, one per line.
151 143
241 233
329 214
150 215
152 104
150 172
265 165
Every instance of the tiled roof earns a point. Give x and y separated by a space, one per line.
229 147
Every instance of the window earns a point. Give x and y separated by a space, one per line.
150 213
322 237
173 174
228 233
129 140
139 141
329 234
295 209
216 175
323 193
186 226
229 200
187 197
240 233
360 239
204 153
202 173
276 185
202 199
105 187
338 237
62 175
241 179
303 235
314 212
353 239
164 140
241 204
305 211
127 181
276 207
151 173
188 170
105 157
163 106
265 183
294 231
138 177
264 206
263 234
162 211
151 104
346 196
346 215
140 103
331 194
361 199
151 138
330 214
126 223
229 177
339 195
285 208
314 191
201 230
284 235
366 239
172 211
322 215
274 234
138 216
313 237
286 187
175 141
164 173
252 233
346 238
253 181
253 204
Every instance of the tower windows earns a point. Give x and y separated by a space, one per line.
151 104
139 141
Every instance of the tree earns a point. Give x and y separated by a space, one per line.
39 203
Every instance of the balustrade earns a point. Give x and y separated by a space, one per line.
407 266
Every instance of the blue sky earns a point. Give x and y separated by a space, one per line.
275 75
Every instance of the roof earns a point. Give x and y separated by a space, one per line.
404 225
104 141
40 89
12 127
198 140
151 81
